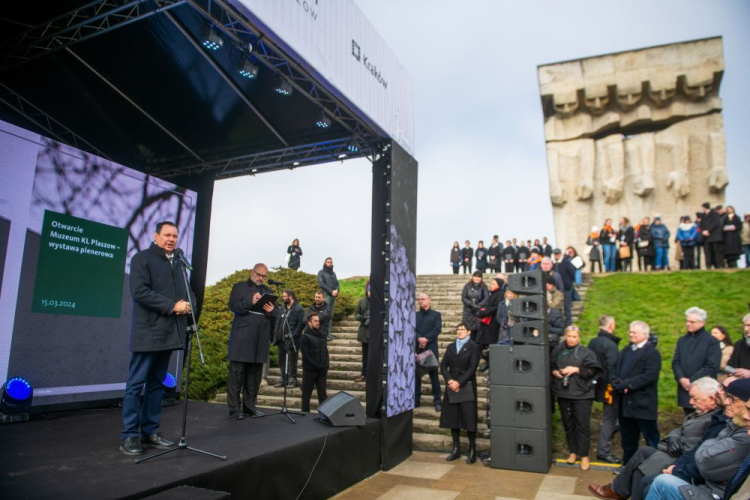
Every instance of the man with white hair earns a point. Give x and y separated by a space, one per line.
740 359
697 355
637 383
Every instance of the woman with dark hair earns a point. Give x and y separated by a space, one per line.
608 238
295 252
645 245
725 342
731 225
574 371
459 369
625 236
481 255
455 257
473 296
579 264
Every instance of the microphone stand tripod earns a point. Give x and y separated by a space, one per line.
191 330
288 340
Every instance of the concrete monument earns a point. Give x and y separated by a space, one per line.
634 134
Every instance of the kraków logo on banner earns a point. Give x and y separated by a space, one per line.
309 6
370 66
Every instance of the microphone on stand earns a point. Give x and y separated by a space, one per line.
276 283
179 253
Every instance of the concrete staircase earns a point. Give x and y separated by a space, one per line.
346 359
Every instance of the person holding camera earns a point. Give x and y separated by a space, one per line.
362 314
314 347
574 371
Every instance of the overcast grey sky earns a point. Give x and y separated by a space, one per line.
478 127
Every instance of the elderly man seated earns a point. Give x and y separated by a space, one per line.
721 464
649 461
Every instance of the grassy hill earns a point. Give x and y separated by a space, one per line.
660 299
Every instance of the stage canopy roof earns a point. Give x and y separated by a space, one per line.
131 81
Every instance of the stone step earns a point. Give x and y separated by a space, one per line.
443 444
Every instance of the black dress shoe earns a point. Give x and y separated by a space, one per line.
131 446
472 456
157 441
610 459
454 455
438 406
236 415
253 413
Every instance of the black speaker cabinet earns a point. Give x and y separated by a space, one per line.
527 283
524 365
533 332
342 410
522 407
529 306
527 450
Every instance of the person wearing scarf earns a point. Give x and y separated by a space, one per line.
459 367
595 253
574 370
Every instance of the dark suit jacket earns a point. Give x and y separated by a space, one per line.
156 286
429 324
250 338
639 372
697 355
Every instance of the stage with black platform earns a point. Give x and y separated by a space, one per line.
76 455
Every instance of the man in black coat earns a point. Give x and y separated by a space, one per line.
429 324
329 283
160 309
697 355
546 248
605 345
637 383
249 342
320 308
467 256
567 272
290 323
494 253
740 359
713 237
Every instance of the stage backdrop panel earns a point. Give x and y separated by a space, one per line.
75 222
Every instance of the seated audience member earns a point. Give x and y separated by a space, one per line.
637 383
696 355
740 359
574 371
314 347
720 465
649 461
547 270
605 346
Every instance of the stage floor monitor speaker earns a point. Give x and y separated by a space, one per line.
527 450
342 410
522 407
527 283
524 365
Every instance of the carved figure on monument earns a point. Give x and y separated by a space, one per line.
634 134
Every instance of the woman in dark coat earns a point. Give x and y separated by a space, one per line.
459 368
595 254
455 257
473 296
481 255
645 245
574 370
731 225
625 236
489 328
295 252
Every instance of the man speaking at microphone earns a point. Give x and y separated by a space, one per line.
160 309
249 342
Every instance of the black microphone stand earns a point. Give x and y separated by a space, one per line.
183 445
288 340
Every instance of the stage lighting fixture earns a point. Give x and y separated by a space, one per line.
16 397
169 382
282 86
323 120
353 146
211 39
248 69
170 390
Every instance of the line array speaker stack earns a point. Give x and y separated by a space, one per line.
521 423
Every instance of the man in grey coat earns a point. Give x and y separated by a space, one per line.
697 355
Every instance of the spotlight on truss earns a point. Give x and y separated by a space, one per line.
282 86
323 120
353 146
211 39
248 69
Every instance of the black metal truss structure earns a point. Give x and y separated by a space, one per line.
98 17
